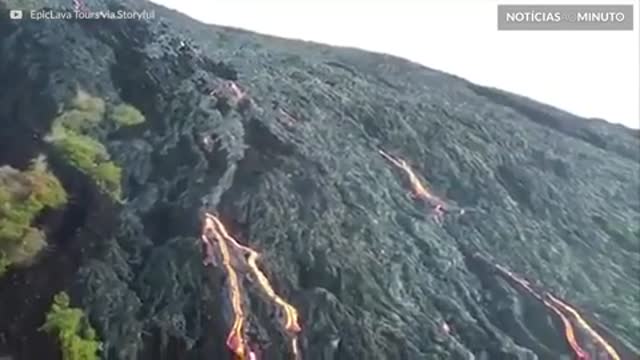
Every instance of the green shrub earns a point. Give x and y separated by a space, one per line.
76 337
47 189
126 115
81 151
85 113
109 175
32 242
91 157
23 194
69 136
85 102
78 120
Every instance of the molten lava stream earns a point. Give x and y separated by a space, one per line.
608 348
291 314
569 331
555 305
235 340
417 188
569 334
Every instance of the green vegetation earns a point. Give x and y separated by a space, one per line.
70 136
85 102
126 115
75 335
86 112
22 196
91 157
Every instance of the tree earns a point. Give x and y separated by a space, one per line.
23 194
76 337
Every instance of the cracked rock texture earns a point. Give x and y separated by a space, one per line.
294 172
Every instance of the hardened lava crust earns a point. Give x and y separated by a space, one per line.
291 200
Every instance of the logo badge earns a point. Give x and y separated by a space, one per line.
15 14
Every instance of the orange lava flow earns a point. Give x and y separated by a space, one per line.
555 305
417 188
291 314
235 339
569 332
610 350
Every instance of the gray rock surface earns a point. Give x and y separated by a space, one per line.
294 172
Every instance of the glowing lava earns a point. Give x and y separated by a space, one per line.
291 324
439 208
568 327
610 350
235 339
569 333
557 306
418 190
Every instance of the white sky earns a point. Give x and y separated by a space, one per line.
591 74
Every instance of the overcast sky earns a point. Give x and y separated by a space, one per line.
591 74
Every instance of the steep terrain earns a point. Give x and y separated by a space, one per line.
281 141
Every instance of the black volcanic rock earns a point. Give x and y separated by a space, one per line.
294 171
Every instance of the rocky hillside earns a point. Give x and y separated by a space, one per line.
402 213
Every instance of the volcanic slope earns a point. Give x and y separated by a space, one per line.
281 140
